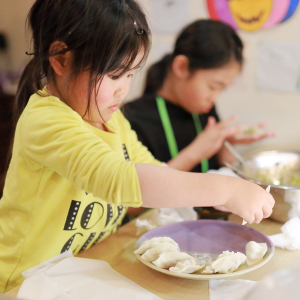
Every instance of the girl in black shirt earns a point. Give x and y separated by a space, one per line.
176 117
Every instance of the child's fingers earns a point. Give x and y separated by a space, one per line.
257 137
211 121
253 138
226 122
271 201
259 215
267 134
262 124
267 210
229 132
250 218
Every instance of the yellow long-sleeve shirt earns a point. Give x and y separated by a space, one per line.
67 187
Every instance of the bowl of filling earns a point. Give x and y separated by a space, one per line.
280 170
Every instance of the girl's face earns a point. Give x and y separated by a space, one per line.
106 98
198 92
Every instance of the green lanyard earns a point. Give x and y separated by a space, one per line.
165 119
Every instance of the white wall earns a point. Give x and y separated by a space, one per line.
12 22
281 109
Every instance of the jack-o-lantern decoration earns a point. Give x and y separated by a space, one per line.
251 15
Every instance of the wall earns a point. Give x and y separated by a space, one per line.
12 22
280 109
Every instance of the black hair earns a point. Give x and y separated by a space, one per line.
207 44
3 42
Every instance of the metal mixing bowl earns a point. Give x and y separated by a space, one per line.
275 163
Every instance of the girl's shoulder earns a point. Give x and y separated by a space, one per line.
42 106
41 100
46 112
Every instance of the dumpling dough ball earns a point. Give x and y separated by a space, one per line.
164 239
255 252
154 253
145 247
170 259
187 266
228 262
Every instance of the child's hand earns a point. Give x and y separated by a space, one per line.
251 134
210 141
250 201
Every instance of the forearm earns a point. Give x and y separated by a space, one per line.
166 187
224 156
184 161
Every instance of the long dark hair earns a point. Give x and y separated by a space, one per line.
207 44
105 36
100 33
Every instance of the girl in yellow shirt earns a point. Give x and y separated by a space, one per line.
76 165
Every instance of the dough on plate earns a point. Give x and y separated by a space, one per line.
228 262
164 239
145 247
255 252
187 266
153 253
170 259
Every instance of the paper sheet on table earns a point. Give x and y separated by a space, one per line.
230 289
65 277
293 197
164 216
169 16
290 236
278 66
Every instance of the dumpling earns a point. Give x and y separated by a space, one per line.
153 253
255 252
228 262
208 269
170 259
161 240
187 266
145 247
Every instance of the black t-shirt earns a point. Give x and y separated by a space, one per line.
144 118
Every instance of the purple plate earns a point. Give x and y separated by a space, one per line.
211 237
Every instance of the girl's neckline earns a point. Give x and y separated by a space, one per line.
97 130
105 128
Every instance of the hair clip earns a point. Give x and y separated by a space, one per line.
138 30
29 54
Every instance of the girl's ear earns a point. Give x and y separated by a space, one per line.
60 63
180 67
